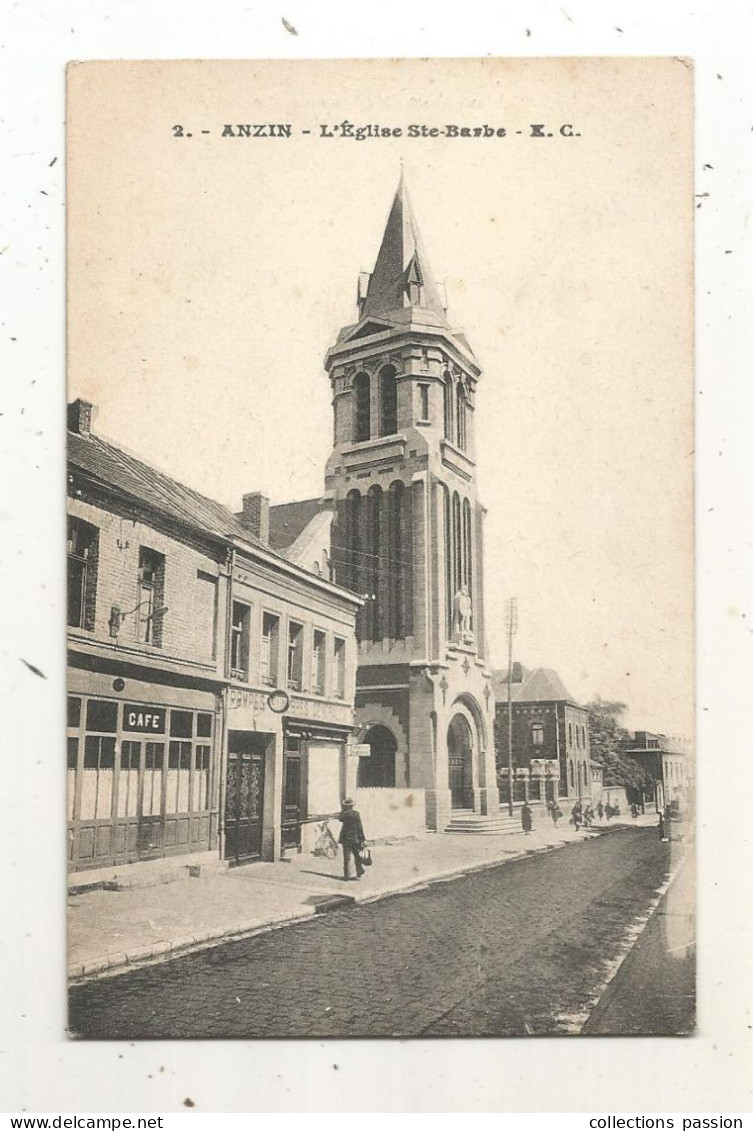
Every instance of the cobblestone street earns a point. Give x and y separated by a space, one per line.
522 948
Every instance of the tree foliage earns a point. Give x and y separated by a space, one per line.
609 741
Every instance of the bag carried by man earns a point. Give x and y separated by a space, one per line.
365 854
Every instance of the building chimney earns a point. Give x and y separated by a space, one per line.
517 673
80 416
255 515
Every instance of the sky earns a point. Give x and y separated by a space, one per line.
208 276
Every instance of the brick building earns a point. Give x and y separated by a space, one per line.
210 680
400 523
550 740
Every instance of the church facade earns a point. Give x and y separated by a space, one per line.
406 533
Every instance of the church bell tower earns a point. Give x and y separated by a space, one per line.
408 532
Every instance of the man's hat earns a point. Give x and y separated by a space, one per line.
347 803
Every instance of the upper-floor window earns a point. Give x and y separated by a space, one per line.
569 734
319 674
462 417
423 410
448 414
339 688
362 394
239 639
270 637
83 547
295 655
150 606
537 734
388 401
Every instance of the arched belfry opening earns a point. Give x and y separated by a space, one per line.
460 762
378 769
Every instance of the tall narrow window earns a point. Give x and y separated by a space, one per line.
151 596
396 564
388 401
83 545
239 638
537 734
373 533
99 759
449 591
179 762
462 417
423 409
319 673
362 394
270 650
339 673
447 392
457 544
468 546
295 655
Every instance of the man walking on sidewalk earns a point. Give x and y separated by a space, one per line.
352 838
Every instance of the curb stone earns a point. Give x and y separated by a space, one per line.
122 963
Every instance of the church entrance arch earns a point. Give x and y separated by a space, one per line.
460 762
378 770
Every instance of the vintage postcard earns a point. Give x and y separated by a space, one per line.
380 548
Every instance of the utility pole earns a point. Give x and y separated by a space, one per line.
512 628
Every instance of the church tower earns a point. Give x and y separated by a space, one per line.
408 532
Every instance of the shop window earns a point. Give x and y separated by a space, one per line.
239 640
71 775
362 394
270 635
200 792
339 687
128 784
388 401
97 778
537 734
295 656
83 551
320 662
150 608
154 760
423 397
204 725
102 716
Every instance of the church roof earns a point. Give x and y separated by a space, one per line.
540 685
401 261
287 521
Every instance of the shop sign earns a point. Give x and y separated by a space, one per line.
144 720
326 712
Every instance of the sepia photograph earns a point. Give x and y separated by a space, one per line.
380 549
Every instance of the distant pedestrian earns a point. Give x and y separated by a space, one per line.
609 811
576 816
588 816
662 830
634 811
526 817
351 838
556 814
600 811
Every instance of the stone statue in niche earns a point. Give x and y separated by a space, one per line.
462 612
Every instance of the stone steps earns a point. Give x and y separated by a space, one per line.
498 824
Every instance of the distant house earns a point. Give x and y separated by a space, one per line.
550 740
665 759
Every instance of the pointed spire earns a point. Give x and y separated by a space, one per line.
402 276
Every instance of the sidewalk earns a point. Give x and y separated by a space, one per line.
112 931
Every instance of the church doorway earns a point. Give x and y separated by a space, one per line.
378 770
460 761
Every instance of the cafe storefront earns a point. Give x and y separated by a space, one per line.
142 777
